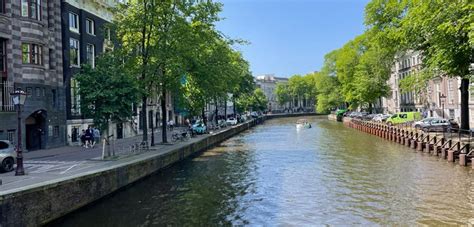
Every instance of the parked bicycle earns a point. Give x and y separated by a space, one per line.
182 136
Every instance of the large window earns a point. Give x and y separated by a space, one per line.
2 6
73 22
74 52
3 57
32 53
75 98
90 55
90 27
31 9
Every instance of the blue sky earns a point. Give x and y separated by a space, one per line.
290 37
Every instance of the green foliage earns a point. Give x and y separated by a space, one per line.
107 92
256 101
282 93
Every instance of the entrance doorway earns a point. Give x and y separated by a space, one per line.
119 130
36 136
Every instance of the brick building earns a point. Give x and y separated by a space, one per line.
31 59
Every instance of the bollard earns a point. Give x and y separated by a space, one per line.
450 155
435 150
419 146
427 148
462 160
412 144
443 152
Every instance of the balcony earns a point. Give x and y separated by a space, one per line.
6 104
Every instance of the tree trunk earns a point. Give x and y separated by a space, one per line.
464 103
370 108
233 105
164 136
225 109
143 116
217 111
203 116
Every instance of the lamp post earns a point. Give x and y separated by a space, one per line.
442 98
19 97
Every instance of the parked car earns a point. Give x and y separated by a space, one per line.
424 122
437 125
403 117
381 117
231 121
199 127
7 156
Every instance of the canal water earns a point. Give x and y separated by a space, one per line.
274 174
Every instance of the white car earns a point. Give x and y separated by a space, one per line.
7 156
231 121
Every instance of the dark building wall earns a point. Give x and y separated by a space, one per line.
84 38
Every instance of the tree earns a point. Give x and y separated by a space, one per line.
440 30
103 94
160 38
282 93
327 84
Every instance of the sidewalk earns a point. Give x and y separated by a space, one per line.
63 162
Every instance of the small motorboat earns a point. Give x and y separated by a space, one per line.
302 123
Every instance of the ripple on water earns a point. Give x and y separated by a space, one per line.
275 175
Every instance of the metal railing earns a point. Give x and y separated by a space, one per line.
6 102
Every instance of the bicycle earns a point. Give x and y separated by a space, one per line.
182 136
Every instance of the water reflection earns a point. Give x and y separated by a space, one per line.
276 175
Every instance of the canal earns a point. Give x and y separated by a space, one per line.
276 175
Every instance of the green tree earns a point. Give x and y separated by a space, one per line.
161 37
440 30
107 92
282 93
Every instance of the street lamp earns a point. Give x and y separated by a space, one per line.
442 98
19 98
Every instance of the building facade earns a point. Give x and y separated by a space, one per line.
441 98
85 35
31 59
268 84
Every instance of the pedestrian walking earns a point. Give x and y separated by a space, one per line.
96 134
83 138
89 137
171 125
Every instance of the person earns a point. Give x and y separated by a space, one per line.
96 134
83 138
89 137
171 124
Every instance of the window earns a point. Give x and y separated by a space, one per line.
2 6
90 55
90 27
11 135
3 57
74 52
32 54
38 91
73 22
31 9
75 98
56 131
107 34
29 91
450 91
53 91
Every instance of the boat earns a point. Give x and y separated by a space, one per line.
302 123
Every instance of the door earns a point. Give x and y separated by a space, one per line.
119 130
